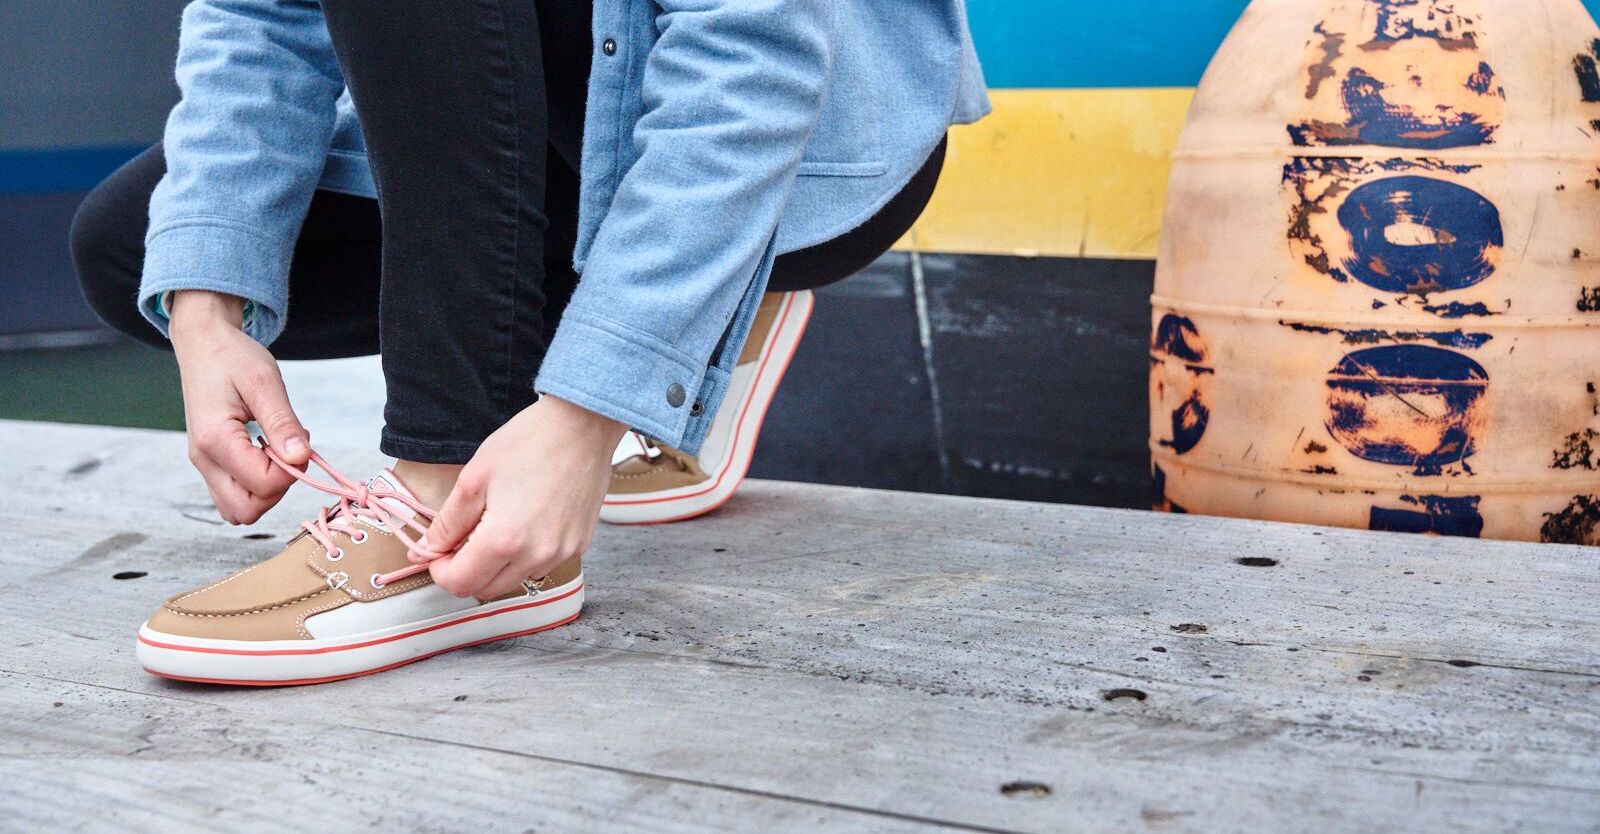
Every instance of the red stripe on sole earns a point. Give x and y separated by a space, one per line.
365 672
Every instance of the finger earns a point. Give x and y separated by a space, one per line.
233 502
247 464
458 517
507 580
468 571
268 401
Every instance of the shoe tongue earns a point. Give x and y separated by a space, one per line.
635 446
387 480
632 446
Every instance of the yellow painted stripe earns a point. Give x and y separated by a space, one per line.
1074 173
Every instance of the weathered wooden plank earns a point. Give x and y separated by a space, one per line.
1161 726
77 756
910 654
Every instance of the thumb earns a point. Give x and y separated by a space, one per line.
457 518
268 402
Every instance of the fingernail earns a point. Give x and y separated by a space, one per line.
422 542
294 446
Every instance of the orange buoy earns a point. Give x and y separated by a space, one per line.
1377 294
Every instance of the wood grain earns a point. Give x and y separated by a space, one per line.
820 658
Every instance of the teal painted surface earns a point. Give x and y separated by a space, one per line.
1099 43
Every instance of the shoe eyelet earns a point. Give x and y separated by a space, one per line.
374 580
336 554
359 537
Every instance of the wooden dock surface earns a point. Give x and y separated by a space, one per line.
817 658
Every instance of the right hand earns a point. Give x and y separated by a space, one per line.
228 380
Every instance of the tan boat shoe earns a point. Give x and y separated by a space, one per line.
342 599
653 483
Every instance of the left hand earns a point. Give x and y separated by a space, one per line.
526 502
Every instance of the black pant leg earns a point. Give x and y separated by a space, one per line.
566 37
452 104
107 241
560 239
333 279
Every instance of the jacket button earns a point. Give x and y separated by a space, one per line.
675 395
609 47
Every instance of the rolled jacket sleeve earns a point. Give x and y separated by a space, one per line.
245 147
730 91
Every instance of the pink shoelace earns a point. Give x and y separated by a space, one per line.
357 501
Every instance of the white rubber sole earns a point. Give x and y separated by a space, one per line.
698 499
295 662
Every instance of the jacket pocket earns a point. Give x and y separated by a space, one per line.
847 140
817 168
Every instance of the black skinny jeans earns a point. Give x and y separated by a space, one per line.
473 116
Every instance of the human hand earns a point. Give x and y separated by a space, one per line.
526 502
228 380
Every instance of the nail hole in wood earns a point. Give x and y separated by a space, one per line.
461 698
128 574
258 536
1027 790
1257 562
1463 664
1119 694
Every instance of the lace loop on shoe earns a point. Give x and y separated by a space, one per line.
358 501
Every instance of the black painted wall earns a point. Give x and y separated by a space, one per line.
1032 384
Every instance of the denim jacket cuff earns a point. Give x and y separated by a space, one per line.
625 374
221 256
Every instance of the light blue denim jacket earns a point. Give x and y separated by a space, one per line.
718 134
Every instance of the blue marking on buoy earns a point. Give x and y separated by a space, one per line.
1588 73
1438 514
1375 121
1189 422
1480 81
1420 378
1177 338
1450 28
1466 229
1371 335
1158 492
